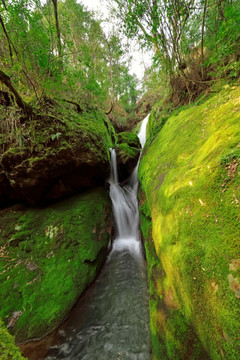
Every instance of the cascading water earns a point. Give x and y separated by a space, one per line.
111 320
125 204
142 132
125 209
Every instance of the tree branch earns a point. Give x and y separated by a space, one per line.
107 113
79 109
8 39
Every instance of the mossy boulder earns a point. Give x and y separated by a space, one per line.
128 150
55 153
48 257
190 176
130 138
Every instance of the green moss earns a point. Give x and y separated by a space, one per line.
128 147
157 119
126 151
8 349
92 127
190 175
56 128
229 157
48 258
130 138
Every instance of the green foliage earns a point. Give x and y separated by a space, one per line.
194 41
222 39
8 349
160 24
90 69
58 128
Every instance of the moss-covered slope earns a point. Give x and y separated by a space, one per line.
47 258
191 225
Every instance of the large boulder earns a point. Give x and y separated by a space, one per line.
49 157
48 256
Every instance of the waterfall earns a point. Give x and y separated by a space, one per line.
142 132
111 320
125 204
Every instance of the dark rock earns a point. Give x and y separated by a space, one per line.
54 176
75 161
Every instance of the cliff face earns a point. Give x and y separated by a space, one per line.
189 206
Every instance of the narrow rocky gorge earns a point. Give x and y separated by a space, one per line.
93 264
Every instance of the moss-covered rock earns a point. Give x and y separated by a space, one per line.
130 138
128 150
8 349
48 257
158 117
55 153
190 222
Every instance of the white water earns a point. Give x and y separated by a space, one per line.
142 131
125 204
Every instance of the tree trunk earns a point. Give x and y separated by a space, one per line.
5 79
57 28
202 37
4 4
221 5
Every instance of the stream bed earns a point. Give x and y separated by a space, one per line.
112 319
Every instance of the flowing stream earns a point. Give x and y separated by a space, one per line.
111 322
